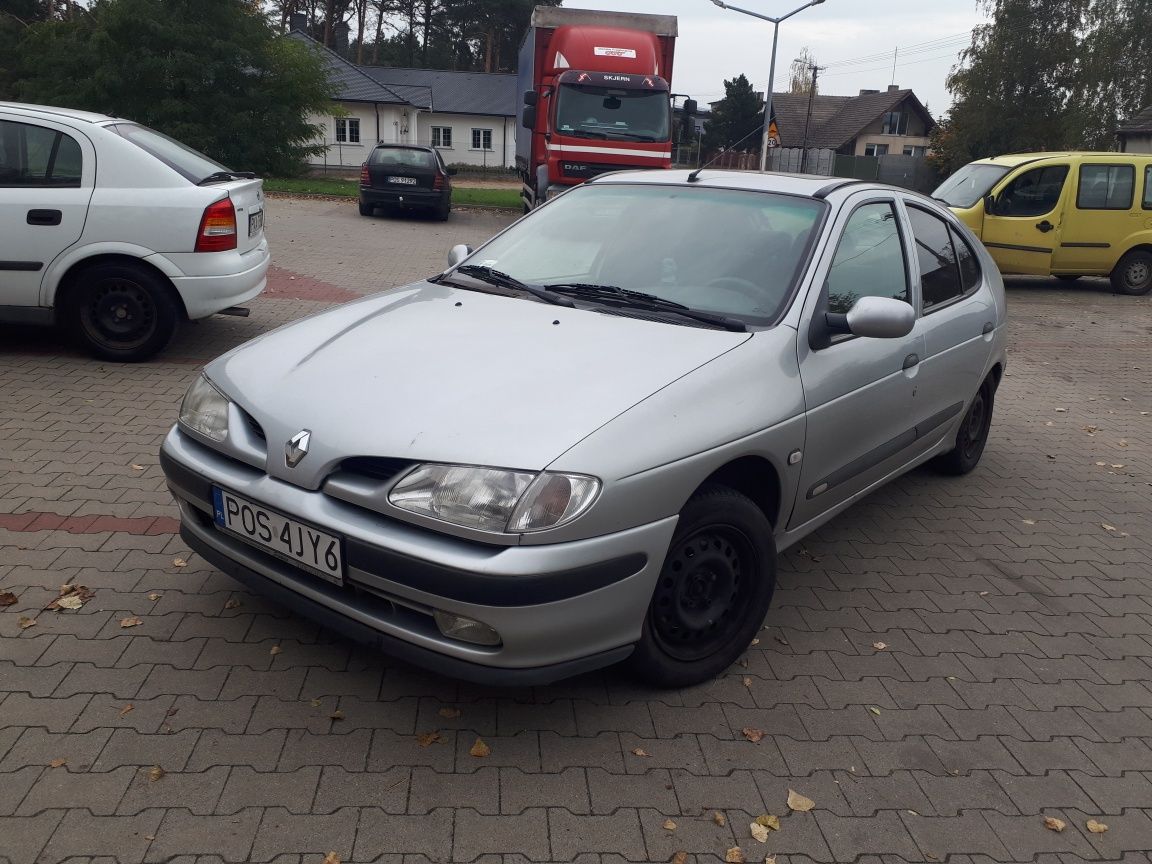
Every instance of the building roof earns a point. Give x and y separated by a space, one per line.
836 120
352 85
1139 122
453 92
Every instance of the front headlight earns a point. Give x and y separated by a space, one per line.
493 499
205 410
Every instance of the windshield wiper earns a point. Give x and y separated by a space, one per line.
221 176
614 295
503 280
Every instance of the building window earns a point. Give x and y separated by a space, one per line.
915 150
875 149
481 139
441 136
895 123
348 130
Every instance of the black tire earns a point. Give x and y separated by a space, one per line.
713 593
122 312
1133 275
443 210
973 433
367 209
1068 277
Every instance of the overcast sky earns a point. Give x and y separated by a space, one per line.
716 44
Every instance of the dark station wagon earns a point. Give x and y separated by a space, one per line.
400 175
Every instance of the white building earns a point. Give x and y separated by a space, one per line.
469 116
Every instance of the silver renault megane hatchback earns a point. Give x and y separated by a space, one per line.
586 441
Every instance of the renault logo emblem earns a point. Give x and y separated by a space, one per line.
297 448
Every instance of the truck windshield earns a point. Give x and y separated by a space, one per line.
969 185
603 112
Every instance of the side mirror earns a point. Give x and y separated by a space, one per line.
989 205
528 117
452 172
530 97
690 107
458 253
880 318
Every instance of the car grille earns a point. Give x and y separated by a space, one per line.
375 468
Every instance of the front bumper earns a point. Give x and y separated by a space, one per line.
559 609
412 197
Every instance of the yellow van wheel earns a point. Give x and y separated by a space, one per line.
1133 275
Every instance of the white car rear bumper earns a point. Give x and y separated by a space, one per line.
215 281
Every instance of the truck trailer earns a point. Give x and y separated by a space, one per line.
596 91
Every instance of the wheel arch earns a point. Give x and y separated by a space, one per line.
755 477
71 278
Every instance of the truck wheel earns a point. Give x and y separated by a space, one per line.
1133 275
122 312
973 434
713 592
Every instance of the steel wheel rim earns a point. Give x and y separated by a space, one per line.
703 592
1137 275
118 313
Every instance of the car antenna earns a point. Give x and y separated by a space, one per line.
695 175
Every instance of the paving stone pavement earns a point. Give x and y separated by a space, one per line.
1015 607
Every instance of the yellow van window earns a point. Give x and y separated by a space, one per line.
1033 193
1148 188
1106 187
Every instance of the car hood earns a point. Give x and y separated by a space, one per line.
436 373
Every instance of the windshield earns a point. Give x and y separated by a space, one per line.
188 163
402 157
722 251
603 112
969 184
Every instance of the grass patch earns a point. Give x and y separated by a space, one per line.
506 198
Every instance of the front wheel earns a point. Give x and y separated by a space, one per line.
973 433
713 592
1133 275
122 312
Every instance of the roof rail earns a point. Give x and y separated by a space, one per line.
825 191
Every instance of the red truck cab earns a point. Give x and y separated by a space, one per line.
597 97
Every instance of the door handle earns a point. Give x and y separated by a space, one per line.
44 217
911 360
1045 226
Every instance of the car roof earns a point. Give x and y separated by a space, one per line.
808 185
1013 160
49 112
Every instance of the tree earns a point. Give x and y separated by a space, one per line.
800 75
213 74
1117 71
736 118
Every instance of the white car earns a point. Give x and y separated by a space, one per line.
116 232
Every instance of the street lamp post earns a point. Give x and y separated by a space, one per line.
772 72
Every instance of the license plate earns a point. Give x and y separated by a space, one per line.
300 544
255 223
406 181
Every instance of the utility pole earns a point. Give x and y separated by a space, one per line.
815 70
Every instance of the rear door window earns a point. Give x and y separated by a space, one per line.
1106 187
36 156
1148 188
940 279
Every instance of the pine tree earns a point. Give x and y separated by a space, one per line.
735 118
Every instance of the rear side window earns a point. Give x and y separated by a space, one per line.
190 164
1148 188
969 266
870 259
402 157
1106 187
939 269
35 156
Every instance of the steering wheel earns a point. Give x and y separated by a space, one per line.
736 285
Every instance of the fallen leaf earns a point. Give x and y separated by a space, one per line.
1118 467
755 641
155 773
1145 413
1091 430
1054 824
719 818
640 751
1121 443
1107 527
480 750
769 859
747 681
274 650
781 640
449 713
131 621
874 710
1061 410
1095 827
72 601
316 703
669 825
57 763
983 593
331 858
753 735
127 708
7 599
336 715
759 832
179 562
233 604
879 646
1029 521
680 858
769 821
137 467
1125 399
154 596
427 739
1051 455
735 855
799 802
1101 464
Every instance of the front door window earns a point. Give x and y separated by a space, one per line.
1033 193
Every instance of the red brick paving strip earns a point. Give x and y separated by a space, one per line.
286 285
24 522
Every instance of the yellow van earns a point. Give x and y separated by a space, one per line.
1061 214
